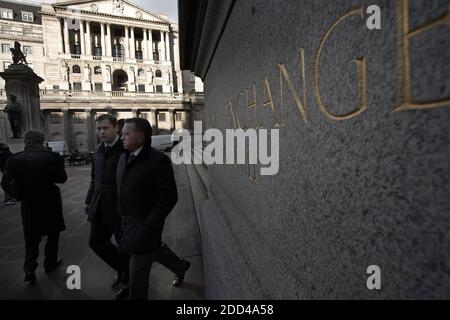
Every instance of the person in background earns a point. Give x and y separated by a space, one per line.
31 176
101 199
5 153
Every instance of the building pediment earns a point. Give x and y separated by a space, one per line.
121 8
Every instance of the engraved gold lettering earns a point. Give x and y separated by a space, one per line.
284 74
405 100
361 66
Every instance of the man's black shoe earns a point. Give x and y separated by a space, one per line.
30 277
49 269
116 282
178 279
123 293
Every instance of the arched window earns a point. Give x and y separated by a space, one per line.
158 74
141 72
97 70
76 69
118 51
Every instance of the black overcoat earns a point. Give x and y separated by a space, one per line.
147 193
35 171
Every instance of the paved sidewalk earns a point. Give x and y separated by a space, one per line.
181 233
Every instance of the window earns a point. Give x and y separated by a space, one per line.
162 117
77 86
79 117
27 16
5 47
158 74
56 118
159 88
192 76
98 70
97 52
177 116
27 50
6 13
141 72
6 65
99 87
76 69
55 87
118 51
138 55
141 88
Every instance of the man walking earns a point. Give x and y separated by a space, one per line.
147 193
30 176
5 153
101 199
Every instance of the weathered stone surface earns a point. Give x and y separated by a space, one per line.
370 190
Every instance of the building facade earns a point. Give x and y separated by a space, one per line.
99 57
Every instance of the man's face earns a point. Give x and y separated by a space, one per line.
132 139
106 131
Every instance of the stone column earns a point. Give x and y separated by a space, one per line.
187 121
154 120
66 37
144 45
162 49
102 38
167 47
150 44
90 124
22 82
61 34
133 45
82 38
127 43
108 41
172 119
89 40
67 121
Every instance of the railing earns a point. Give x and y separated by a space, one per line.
54 95
118 59
75 56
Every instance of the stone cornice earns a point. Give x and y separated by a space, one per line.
101 14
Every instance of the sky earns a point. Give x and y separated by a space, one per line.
167 7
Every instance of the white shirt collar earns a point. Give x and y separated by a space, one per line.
136 152
112 143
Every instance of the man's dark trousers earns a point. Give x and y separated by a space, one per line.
100 242
141 264
32 251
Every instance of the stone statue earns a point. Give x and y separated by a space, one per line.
169 76
152 76
14 111
118 6
132 76
17 54
108 74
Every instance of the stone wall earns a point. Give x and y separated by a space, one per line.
364 173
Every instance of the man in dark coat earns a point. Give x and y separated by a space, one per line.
31 176
101 199
5 153
147 193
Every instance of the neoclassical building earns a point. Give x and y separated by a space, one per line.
97 57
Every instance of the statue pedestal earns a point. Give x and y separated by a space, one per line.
22 82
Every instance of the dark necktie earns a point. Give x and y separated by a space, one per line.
131 158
